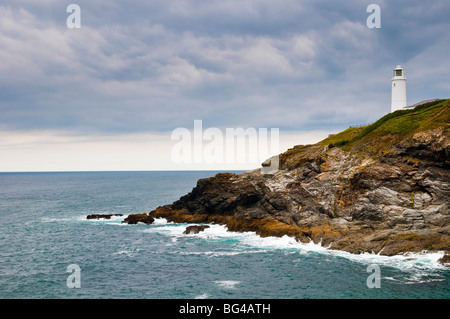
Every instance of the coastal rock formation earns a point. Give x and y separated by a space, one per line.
381 188
102 216
195 229
139 218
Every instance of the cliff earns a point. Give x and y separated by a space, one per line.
381 188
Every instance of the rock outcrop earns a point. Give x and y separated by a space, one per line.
139 218
102 216
195 229
383 188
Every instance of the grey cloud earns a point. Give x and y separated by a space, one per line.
142 66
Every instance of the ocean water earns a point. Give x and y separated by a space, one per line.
44 230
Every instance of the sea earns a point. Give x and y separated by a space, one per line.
50 250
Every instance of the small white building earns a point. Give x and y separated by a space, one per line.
398 99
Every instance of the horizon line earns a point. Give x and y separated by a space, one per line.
130 171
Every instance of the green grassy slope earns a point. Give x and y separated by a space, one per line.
393 127
378 138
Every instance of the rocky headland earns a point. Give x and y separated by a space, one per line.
381 188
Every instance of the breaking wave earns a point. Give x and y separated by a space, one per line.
250 242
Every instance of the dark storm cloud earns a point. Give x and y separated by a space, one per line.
154 66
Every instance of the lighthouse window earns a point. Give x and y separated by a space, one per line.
398 72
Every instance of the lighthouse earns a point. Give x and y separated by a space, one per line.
398 100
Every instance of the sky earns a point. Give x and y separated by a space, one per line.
109 95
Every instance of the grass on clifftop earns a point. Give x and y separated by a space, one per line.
393 126
377 138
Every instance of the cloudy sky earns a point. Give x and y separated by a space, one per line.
107 96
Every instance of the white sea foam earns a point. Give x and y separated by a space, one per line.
417 262
221 253
82 218
227 284
125 252
202 296
161 221
411 261
166 229
424 260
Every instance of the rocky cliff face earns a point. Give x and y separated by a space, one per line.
384 188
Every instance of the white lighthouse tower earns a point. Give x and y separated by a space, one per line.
398 100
